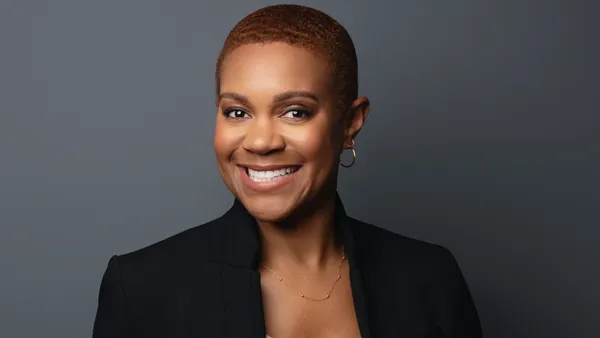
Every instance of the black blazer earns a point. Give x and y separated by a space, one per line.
204 282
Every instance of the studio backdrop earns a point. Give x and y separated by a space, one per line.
483 137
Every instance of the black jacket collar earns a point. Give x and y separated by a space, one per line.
239 247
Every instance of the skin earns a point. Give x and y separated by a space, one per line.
277 107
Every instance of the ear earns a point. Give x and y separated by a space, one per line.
357 115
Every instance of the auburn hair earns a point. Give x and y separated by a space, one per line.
302 27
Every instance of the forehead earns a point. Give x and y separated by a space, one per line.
272 68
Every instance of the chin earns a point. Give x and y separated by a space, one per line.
268 209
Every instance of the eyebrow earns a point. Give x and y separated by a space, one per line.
236 97
289 95
276 99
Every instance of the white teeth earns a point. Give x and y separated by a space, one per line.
270 175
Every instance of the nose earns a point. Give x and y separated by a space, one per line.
262 137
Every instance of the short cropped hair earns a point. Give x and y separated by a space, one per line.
303 27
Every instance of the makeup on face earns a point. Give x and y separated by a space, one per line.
277 138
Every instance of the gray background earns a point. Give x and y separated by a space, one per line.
483 137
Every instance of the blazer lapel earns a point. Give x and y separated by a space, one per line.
345 225
242 303
237 250
359 303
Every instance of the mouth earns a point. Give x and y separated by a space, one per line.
268 178
270 175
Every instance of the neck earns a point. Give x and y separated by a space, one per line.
306 241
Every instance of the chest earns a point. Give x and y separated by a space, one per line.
224 301
287 314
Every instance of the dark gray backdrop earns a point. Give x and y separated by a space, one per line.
483 137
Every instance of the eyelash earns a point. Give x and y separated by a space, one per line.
307 114
227 112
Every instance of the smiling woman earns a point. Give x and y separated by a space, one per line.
286 259
277 112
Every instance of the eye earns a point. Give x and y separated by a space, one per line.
297 114
236 114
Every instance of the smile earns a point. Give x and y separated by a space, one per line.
269 175
263 179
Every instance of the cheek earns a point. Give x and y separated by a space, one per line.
225 139
316 145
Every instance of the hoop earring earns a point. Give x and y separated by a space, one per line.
353 157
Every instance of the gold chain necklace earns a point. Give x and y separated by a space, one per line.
303 295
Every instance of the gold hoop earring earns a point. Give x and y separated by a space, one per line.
353 157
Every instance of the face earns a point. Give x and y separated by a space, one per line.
278 136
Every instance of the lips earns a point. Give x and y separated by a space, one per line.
267 178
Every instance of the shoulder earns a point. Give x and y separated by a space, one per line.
194 241
380 247
385 243
414 269
170 256
144 284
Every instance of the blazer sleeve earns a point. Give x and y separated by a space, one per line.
453 306
112 314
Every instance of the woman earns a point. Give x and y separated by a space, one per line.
286 260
